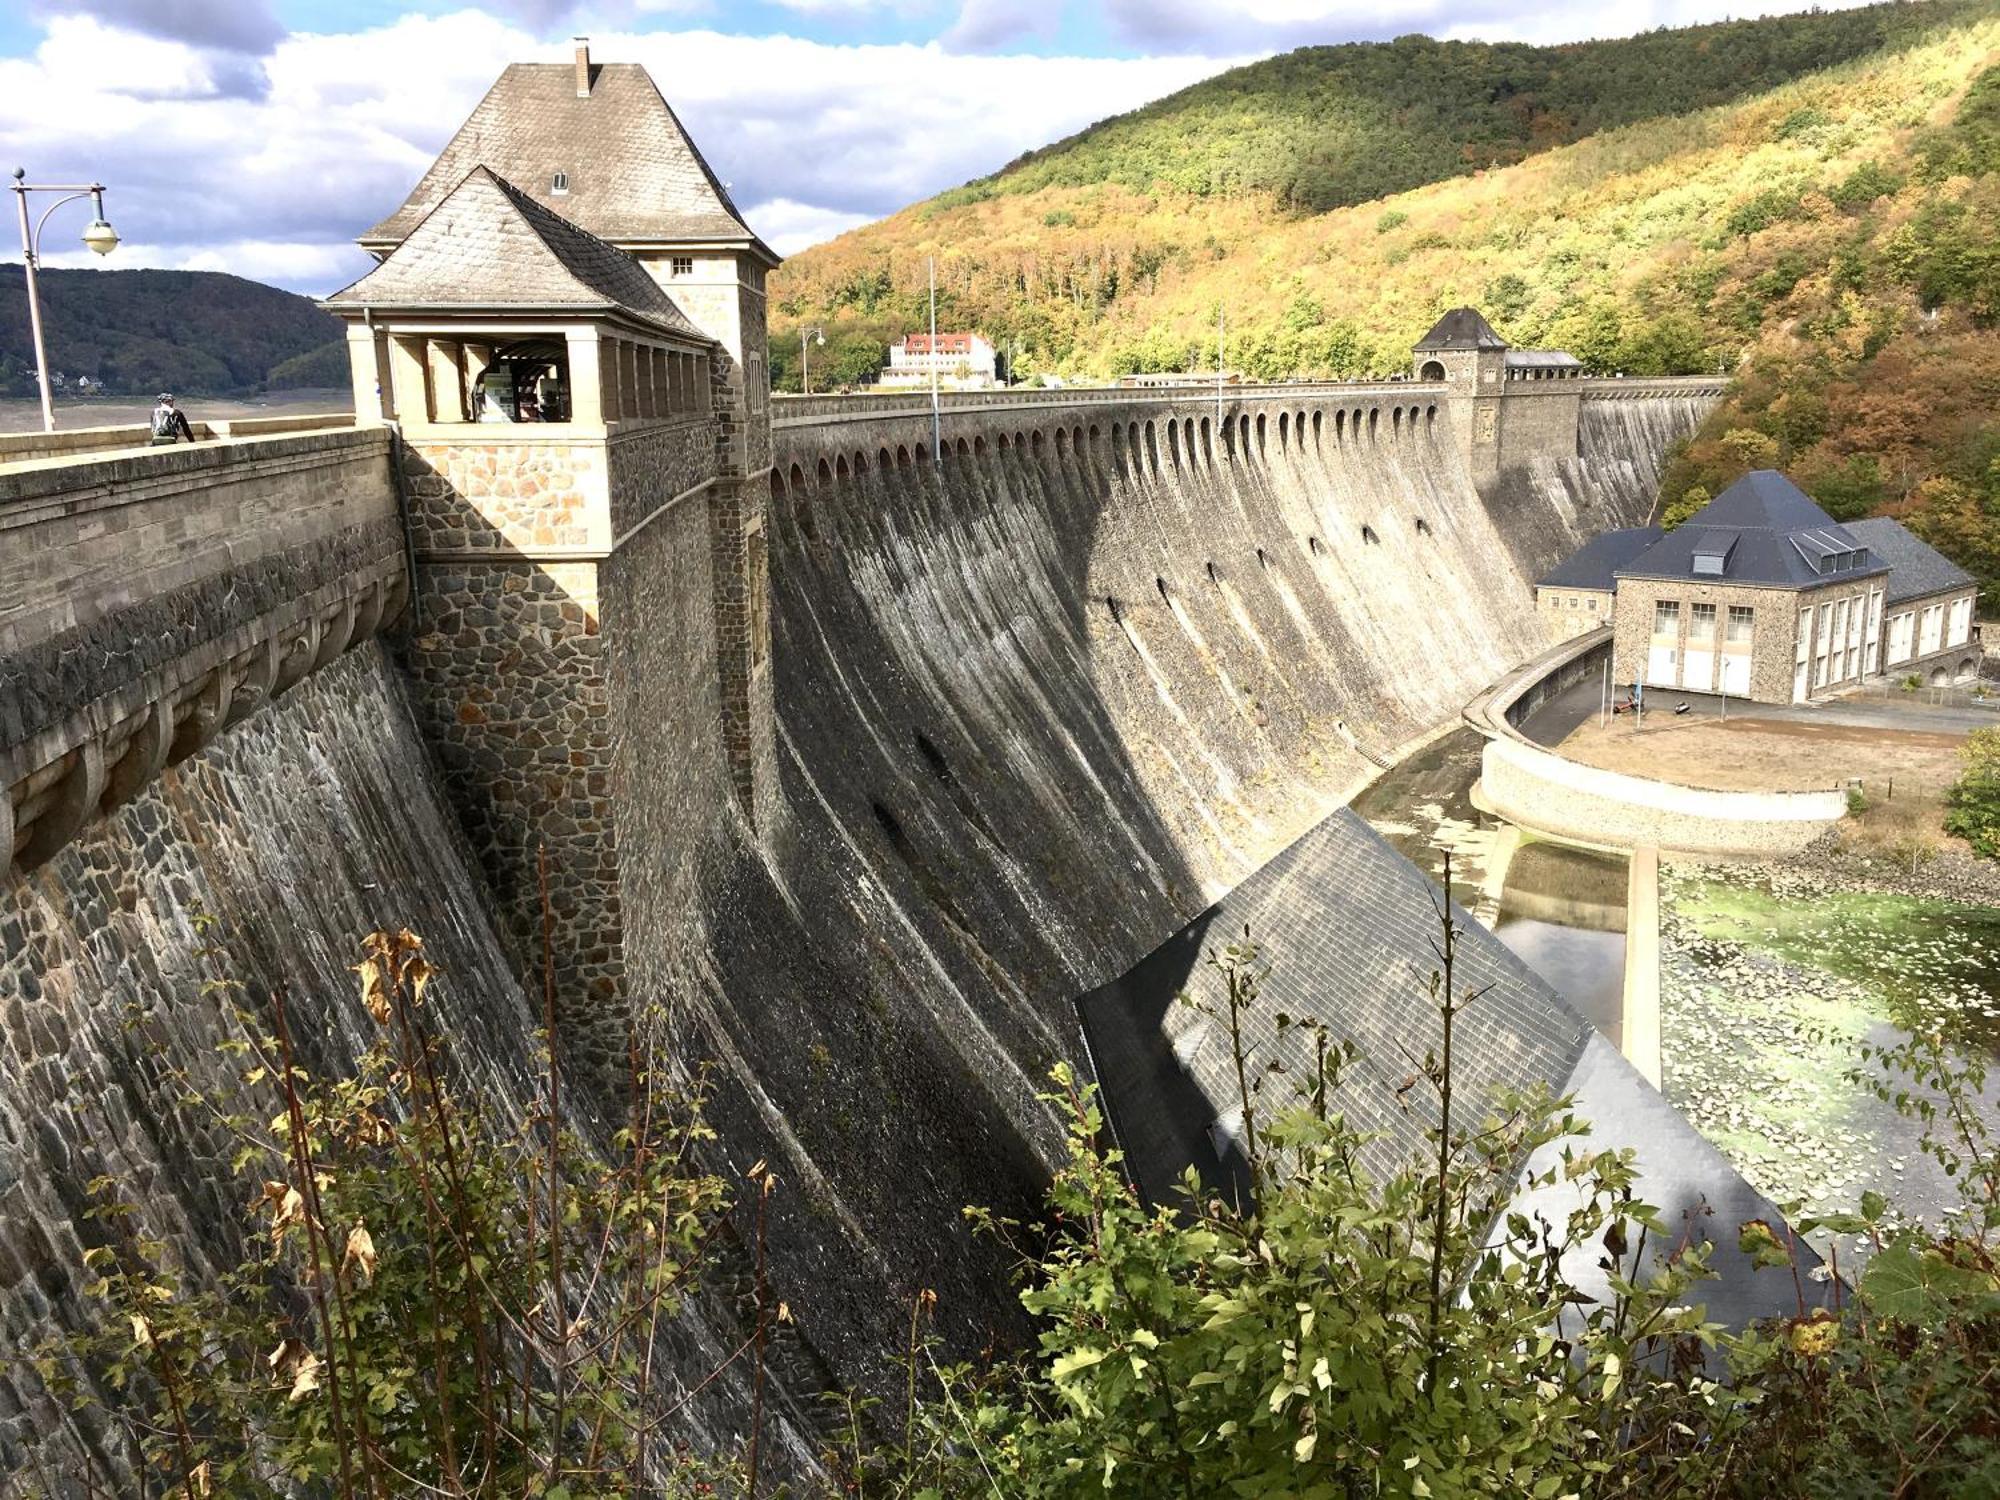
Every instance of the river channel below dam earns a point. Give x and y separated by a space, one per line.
1771 980
1560 909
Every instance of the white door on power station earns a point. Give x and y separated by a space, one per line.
1799 683
1661 662
1698 671
1736 674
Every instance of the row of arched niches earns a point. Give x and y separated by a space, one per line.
1140 443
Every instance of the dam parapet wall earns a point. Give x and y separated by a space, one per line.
818 439
148 600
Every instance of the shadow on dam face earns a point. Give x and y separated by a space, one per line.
999 793
1037 710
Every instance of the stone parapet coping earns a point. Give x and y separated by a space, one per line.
43 447
799 411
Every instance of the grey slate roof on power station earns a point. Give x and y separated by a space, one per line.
1346 925
630 172
1763 530
1593 565
489 245
1461 328
1915 568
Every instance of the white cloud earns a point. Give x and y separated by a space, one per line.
789 226
233 25
867 129
856 8
989 25
816 136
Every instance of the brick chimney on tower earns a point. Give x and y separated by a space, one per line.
583 67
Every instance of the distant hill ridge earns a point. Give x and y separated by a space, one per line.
1072 250
194 332
1322 127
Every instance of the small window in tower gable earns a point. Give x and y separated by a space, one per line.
683 265
559 185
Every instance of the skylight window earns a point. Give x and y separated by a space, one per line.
560 186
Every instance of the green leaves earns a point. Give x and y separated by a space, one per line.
1760 1242
1915 1283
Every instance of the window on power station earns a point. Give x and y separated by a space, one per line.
683 265
1740 618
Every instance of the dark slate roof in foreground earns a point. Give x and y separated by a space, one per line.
1915 567
1346 925
1462 328
490 245
1768 530
1592 565
632 172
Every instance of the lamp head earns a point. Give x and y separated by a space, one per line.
820 339
100 236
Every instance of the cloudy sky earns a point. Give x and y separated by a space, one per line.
259 136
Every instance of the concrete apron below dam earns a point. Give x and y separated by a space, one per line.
1584 919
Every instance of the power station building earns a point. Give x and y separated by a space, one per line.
1762 595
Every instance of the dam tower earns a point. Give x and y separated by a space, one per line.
566 326
1507 406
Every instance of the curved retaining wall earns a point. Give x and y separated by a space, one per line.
1546 792
1541 790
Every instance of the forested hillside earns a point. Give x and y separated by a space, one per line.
198 332
1833 238
1323 127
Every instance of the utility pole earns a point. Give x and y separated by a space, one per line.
1221 358
805 369
937 412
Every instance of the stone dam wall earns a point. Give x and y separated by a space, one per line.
1035 708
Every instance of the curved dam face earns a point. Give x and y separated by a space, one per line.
1036 707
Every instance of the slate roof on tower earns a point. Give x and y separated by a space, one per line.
1762 530
488 245
1462 328
632 174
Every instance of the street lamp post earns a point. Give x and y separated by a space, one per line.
818 335
98 235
